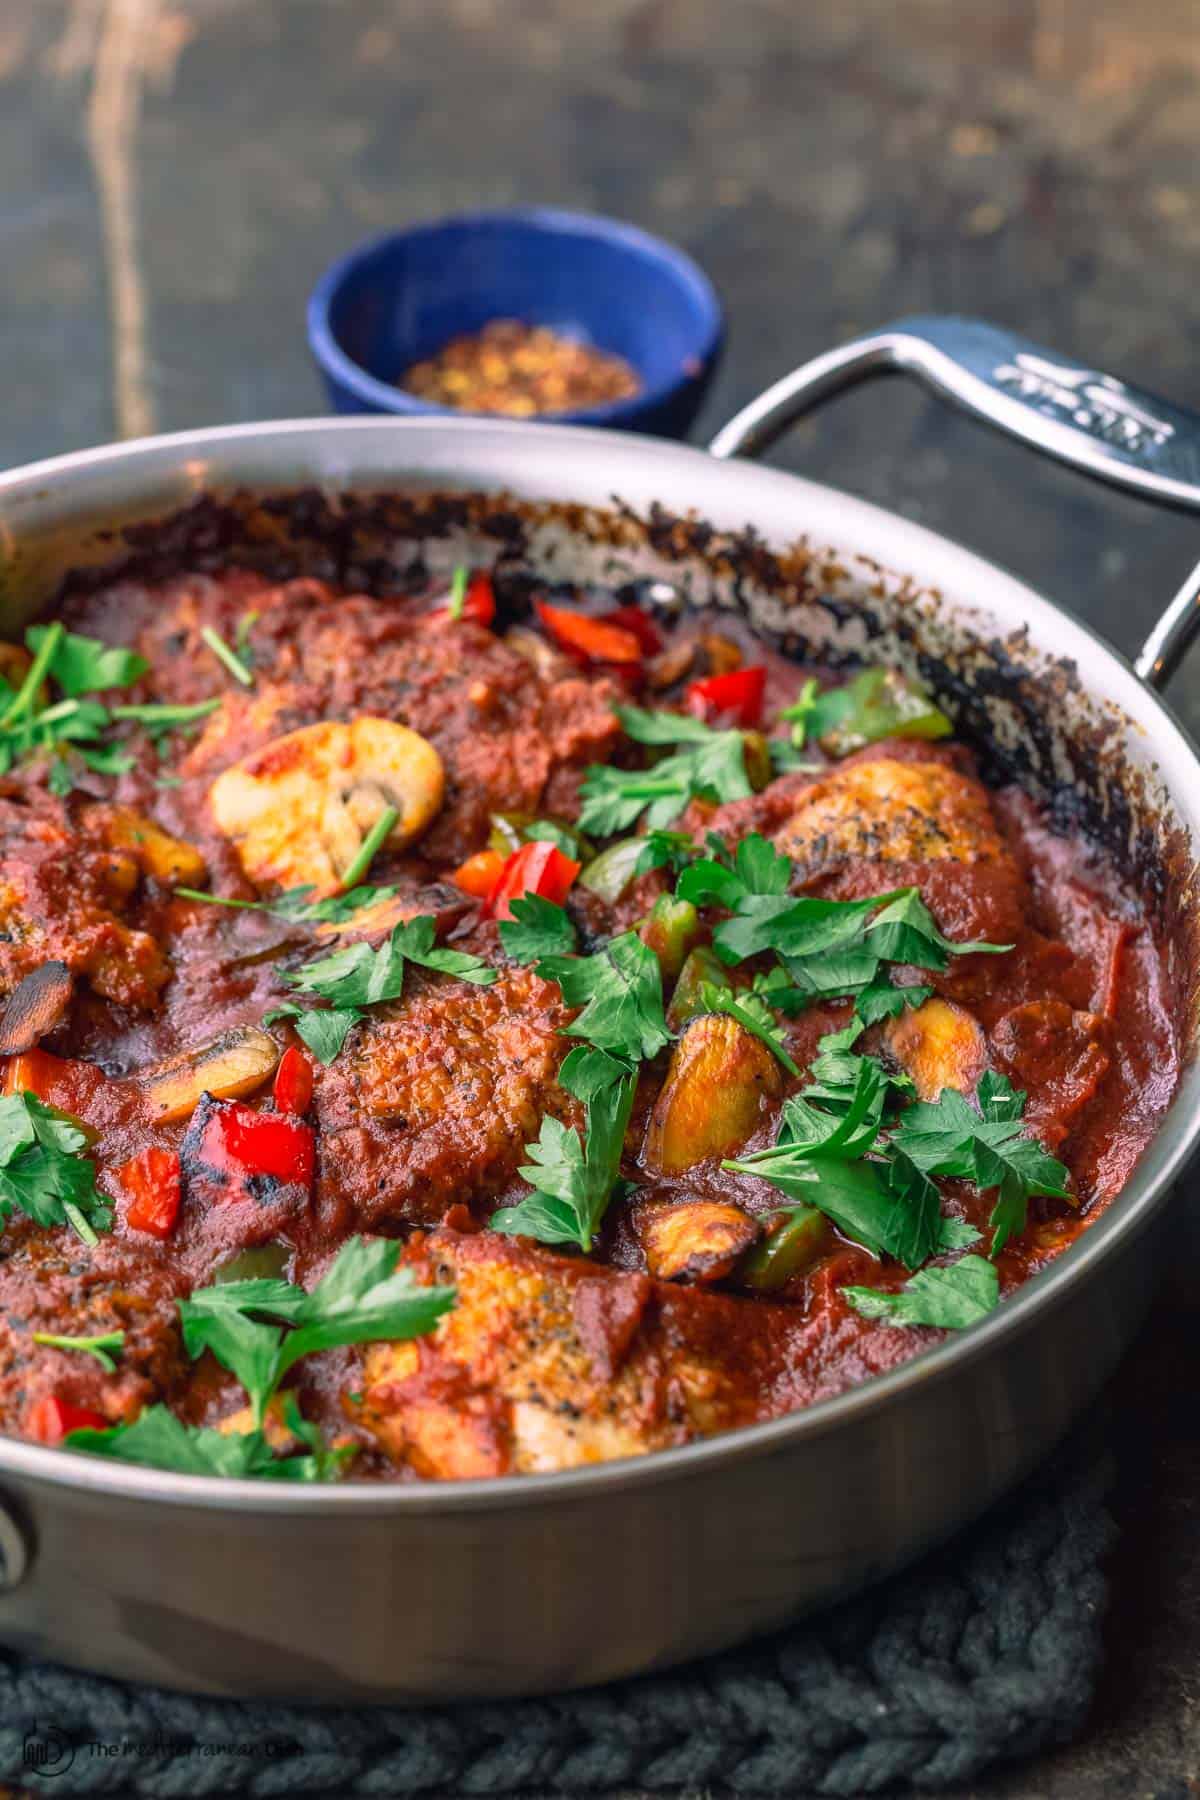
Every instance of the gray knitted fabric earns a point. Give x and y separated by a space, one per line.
988 1650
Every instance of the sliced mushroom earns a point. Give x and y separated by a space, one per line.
700 1240
35 1006
534 649
231 1066
297 811
712 1099
940 1045
168 859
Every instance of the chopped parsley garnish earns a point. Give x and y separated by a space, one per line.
573 1177
357 977
987 1147
259 1329
230 658
158 1440
752 1011
293 903
241 637
712 764
458 591
101 1347
836 1152
952 1297
324 1031
620 991
161 717
80 665
370 846
537 928
42 1173
622 1023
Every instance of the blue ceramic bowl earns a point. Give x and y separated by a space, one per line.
402 297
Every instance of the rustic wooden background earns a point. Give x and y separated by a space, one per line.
174 174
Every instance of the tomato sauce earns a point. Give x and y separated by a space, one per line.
417 1128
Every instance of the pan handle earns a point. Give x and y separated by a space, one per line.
1095 423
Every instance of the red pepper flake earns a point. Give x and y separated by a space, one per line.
521 370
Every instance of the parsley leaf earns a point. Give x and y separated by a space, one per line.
414 941
988 1147
808 932
905 932
537 928
324 1031
361 1299
757 869
158 1440
573 1178
294 903
83 665
952 1297
880 1000
353 976
357 976
620 991
42 1173
713 765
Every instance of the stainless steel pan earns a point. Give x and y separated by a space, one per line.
528 1584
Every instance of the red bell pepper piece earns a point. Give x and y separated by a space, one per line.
238 1142
479 602
479 874
293 1082
632 618
50 1419
152 1181
733 699
595 640
536 868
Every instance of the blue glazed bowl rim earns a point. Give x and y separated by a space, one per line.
381 396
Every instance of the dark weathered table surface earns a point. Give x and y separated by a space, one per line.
174 173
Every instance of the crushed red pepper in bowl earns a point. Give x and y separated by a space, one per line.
521 370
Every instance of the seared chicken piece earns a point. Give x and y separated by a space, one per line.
434 1098
62 902
513 737
885 810
533 1370
298 810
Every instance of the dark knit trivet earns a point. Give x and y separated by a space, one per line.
987 1650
